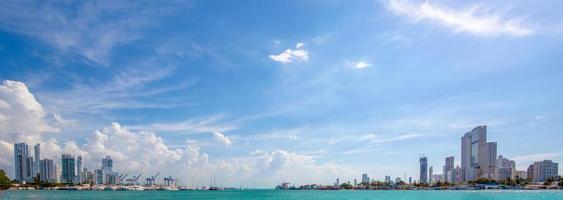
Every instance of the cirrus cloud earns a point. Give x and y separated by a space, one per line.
473 20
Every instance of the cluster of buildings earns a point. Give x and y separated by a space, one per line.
479 160
70 170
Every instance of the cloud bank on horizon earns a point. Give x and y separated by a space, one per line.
336 89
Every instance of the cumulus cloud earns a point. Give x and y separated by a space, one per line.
290 55
143 151
472 20
358 64
21 116
220 137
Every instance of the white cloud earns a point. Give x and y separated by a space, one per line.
206 125
23 118
290 55
472 20
361 65
90 29
220 137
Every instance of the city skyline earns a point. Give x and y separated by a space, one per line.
260 93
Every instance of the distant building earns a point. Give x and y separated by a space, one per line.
387 179
68 163
458 175
430 174
437 178
423 170
521 174
365 179
544 170
530 172
410 180
21 158
505 168
99 177
78 170
478 157
109 176
448 169
37 159
488 161
337 183
47 171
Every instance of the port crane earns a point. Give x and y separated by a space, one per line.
151 180
134 180
170 181
122 177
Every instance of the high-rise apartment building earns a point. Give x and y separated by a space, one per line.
423 170
365 179
68 163
478 157
47 171
448 169
78 170
506 168
530 172
544 170
37 159
20 158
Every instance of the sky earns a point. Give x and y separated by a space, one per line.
256 92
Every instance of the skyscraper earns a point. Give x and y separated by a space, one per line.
478 158
109 177
365 179
68 169
107 163
21 154
47 171
423 170
448 169
37 151
430 173
488 161
78 170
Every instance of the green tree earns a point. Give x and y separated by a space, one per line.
4 180
346 186
561 182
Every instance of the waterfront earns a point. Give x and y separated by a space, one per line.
278 195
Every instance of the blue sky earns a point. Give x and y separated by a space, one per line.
258 92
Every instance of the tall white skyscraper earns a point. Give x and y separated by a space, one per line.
477 155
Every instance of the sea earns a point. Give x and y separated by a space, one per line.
290 195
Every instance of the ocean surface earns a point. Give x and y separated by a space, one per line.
276 194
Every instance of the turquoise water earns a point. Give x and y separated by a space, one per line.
276 195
